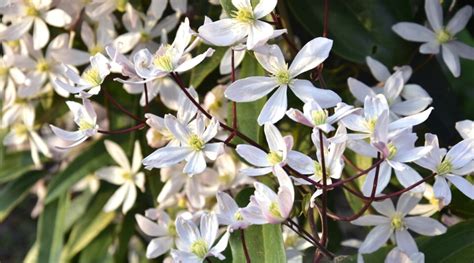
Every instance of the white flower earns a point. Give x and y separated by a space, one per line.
465 129
268 207
215 103
315 116
402 99
34 13
375 119
394 224
279 148
157 224
97 40
86 120
91 78
230 213
143 28
24 131
396 255
101 8
168 58
449 166
226 175
242 22
195 245
433 206
294 245
194 146
440 35
124 175
271 58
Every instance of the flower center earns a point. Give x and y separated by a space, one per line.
283 77
319 116
274 157
435 202
275 210
42 65
127 176
172 229
3 71
371 124
144 37
244 15
164 60
443 36
290 241
92 76
444 167
199 248
85 125
225 179
20 129
392 150
397 222
31 11
196 143
96 49
238 216
121 5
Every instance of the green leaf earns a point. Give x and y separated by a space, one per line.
86 163
97 250
51 230
227 6
362 162
264 244
90 225
14 192
198 74
359 28
247 113
77 208
15 165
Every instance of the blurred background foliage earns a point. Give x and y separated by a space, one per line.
73 226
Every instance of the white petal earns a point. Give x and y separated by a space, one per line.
461 154
213 150
57 17
462 184
409 176
196 164
126 42
225 67
425 226
16 30
411 106
256 171
253 155
165 157
393 86
355 122
431 47
250 89
459 20
191 63
407 202
180 131
406 242
311 55
259 34
209 227
384 207
271 58
410 121
451 59
462 49
149 227
117 198
224 32
465 128
434 14
158 246
410 155
130 198
73 57
378 70
40 34
413 32
274 139
67 135
359 89
306 92
220 246
382 182
112 174
370 220
264 8
117 153
300 162
137 157
441 190
275 108
376 239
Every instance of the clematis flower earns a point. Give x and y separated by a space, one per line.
394 223
86 120
465 129
396 255
157 224
23 131
36 14
415 99
195 245
97 40
91 78
284 77
440 36
193 149
450 166
243 22
433 206
168 58
315 116
375 107
268 207
230 213
125 175
279 148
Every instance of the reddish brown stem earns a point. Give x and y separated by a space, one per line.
244 245
126 130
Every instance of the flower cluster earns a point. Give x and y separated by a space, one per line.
197 145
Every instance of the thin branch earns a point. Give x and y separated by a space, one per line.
244 245
126 130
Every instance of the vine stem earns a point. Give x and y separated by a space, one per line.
234 104
244 245
126 130
120 107
324 217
